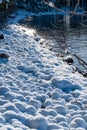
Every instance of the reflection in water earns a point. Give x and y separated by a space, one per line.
76 38
67 21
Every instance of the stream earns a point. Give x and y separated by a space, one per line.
67 29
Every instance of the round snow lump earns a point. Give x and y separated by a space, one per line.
3 90
61 109
35 103
78 122
48 102
65 85
60 118
2 120
31 110
55 95
39 122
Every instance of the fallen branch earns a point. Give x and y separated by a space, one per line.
66 12
81 61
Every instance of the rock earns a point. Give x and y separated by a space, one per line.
68 59
1 36
85 74
3 55
41 43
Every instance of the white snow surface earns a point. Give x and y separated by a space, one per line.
38 91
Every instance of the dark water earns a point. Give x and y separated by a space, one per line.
71 30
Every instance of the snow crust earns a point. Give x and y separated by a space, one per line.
38 91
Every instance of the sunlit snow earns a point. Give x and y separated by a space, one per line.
38 91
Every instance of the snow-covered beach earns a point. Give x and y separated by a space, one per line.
38 91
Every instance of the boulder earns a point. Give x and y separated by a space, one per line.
3 55
68 59
1 36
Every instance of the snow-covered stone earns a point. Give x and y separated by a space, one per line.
60 109
10 106
55 95
39 122
35 103
20 106
78 122
48 102
65 85
53 126
2 120
64 124
4 90
60 118
42 97
31 110
47 112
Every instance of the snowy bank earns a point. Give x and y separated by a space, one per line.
38 91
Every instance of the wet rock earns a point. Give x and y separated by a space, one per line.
3 55
68 59
1 36
85 74
41 43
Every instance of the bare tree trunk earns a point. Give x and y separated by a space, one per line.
76 6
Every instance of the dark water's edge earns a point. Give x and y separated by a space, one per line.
65 28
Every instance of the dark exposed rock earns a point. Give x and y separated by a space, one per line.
3 55
68 59
41 43
1 36
85 74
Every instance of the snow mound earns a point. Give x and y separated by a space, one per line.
4 90
53 126
64 124
46 112
55 95
31 110
10 106
9 115
26 69
20 106
60 118
2 120
41 97
78 122
48 102
39 122
65 85
35 103
60 109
